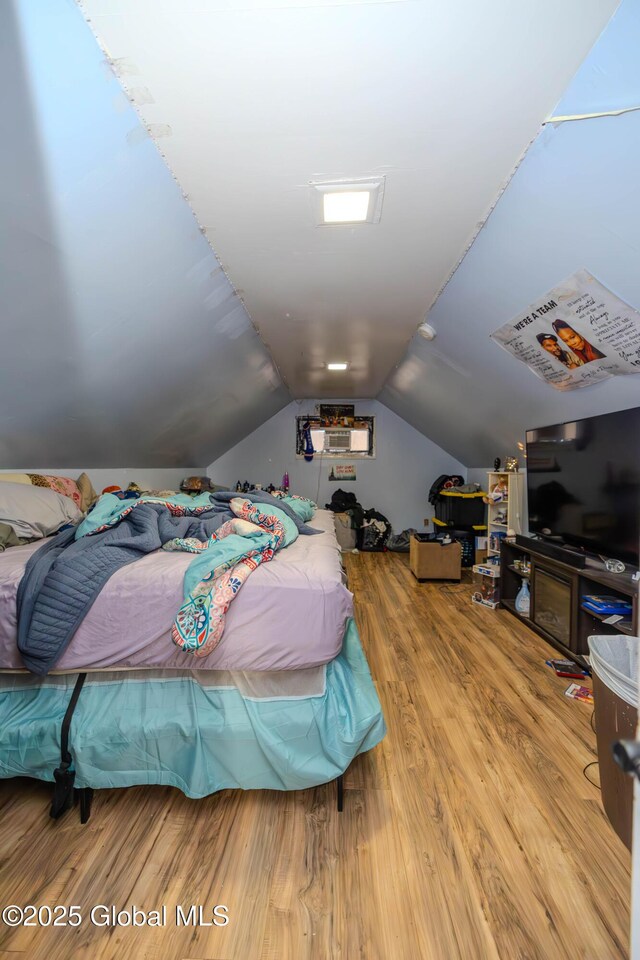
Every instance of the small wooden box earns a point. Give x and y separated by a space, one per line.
432 561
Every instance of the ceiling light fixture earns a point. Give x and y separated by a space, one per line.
348 206
347 201
337 366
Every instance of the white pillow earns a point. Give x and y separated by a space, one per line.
35 512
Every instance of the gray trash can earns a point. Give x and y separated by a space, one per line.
614 661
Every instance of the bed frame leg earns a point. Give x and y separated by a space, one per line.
340 785
85 796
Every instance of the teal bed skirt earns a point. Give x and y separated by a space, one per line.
195 731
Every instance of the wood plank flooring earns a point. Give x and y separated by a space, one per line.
456 840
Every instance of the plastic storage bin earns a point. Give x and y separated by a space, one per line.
460 509
614 662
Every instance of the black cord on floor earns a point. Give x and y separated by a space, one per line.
594 763
592 721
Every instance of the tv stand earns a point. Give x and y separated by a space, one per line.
557 551
557 590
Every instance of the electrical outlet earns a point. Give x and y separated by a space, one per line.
427 521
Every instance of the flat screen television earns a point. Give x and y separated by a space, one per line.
583 484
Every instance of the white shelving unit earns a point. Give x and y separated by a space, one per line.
507 514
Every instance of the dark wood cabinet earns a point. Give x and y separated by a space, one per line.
557 592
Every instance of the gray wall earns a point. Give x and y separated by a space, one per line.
122 340
574 202
396 482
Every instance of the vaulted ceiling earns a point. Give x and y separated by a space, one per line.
249 100
129 341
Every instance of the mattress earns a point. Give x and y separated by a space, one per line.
290 614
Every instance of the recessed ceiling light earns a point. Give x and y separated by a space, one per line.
337 366
348 206
347 201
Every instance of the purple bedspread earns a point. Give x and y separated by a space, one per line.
291 612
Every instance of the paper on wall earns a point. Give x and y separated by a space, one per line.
577 334
343 471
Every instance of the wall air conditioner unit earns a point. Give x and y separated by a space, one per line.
337 440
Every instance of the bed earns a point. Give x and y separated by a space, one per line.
285 701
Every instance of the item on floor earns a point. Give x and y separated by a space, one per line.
614 662
345 531
576 691
523 599
401 542
480 551
429 559
467 541
375 531
567 668
486 583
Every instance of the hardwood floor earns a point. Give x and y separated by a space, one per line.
457 838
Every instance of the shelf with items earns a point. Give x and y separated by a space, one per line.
505 496
558 591
620 626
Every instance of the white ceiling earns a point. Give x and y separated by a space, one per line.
251 100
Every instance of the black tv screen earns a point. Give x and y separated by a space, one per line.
583 483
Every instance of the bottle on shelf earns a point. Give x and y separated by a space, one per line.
523 599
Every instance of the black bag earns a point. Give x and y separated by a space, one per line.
375 531
400 542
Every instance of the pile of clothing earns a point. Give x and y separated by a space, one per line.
372 529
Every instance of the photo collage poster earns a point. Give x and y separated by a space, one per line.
577 334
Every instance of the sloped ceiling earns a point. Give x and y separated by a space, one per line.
123 342
574 202
252 99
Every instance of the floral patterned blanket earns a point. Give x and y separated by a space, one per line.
63 578
199 624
